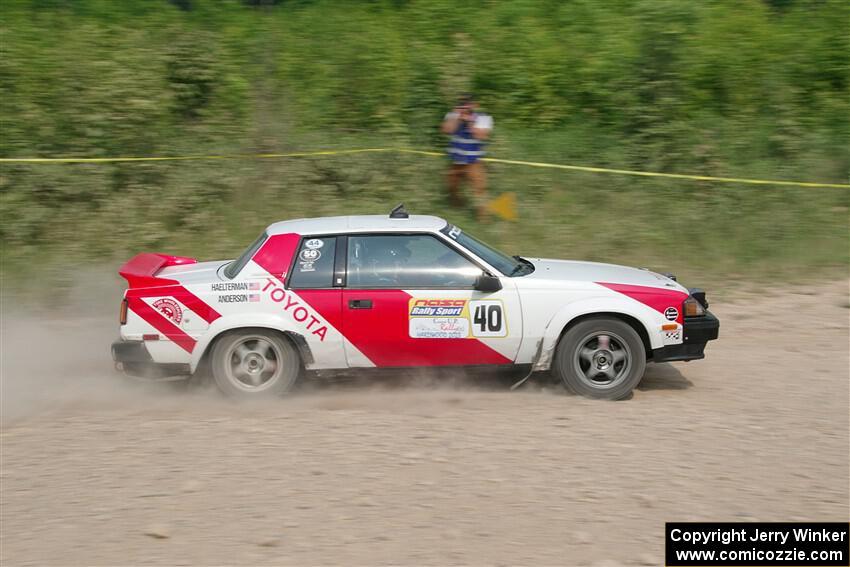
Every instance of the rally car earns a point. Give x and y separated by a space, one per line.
400 291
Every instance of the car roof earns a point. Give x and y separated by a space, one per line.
358 223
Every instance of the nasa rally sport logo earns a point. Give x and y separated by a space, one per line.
169 308
671 313
437 307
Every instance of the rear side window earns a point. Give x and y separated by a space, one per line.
314 266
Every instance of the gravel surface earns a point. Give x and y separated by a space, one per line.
98 470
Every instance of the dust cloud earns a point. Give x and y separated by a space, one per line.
57 356
56 360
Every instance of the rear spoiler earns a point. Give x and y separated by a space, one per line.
141 270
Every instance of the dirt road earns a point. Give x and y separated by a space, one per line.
99 471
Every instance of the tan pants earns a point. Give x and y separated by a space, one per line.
477 177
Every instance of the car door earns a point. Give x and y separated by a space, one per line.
410 300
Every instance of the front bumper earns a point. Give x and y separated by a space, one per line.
133 359
697 331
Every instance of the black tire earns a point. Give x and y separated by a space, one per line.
254 363
591 368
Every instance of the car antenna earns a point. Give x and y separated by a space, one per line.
399 212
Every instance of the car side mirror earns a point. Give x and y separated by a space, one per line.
487 283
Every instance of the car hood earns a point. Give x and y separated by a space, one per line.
193 273
567 270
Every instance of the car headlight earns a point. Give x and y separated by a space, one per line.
692 308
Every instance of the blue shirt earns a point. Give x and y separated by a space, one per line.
464 148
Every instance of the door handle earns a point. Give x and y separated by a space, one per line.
360 304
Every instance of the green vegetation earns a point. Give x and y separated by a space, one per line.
735 88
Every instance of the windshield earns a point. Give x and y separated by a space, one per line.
508 265
233 268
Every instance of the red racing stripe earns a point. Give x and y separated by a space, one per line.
326 302
654 297
158 321
275 256
181 294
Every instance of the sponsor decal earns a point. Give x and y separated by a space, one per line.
170 308
672 336
439 328
438 318
671 313
235 286
437 307
295 308
239 298
310 254
454 232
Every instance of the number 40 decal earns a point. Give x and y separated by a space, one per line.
488 318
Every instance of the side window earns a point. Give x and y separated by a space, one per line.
410 260
314 266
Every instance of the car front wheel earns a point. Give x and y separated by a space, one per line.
254 363
601 358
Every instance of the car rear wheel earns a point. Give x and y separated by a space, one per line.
254 363
601 358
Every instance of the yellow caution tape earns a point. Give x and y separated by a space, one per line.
189 158
644 173
670 175
430 153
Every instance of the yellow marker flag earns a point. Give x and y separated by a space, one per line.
504 206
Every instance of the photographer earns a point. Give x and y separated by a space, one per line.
469 131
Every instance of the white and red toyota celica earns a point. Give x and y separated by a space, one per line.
400 291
